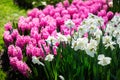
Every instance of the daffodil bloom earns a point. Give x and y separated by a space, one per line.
61 77
103 60
81 43
91 47
69 23
61 38
49 57
51 40
35 60
107 41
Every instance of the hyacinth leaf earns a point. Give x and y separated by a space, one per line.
35 72
15 25
25 59
118 74
108 75
58 58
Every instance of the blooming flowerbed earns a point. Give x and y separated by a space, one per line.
77 41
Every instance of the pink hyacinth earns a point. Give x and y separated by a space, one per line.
7 38
36 52
44 34
34 33
13 61
15 52
23 68
110 15
8 26
29 49
32 41
20 41
35 22
15 33
66 3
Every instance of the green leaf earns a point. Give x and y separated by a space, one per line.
118 74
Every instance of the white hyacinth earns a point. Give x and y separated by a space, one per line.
69 23
103 60
35 60
49 57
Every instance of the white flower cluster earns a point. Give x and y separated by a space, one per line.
90 26
112 31
59 38
69 23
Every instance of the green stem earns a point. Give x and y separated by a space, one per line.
46 73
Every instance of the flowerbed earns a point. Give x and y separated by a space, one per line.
69 41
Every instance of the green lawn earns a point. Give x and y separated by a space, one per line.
8 12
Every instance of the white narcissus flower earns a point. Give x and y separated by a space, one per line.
111 45
91 47
98 32
44 3
118 41
35 60
74 44
82 29
61 38
69 23
51 40
61 77
92 28
103 60
81 44
95 20
68 38
110 29
116 33
97 35
107 41
49 57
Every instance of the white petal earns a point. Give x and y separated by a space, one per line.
61 77
101 56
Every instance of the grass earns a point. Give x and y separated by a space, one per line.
8 12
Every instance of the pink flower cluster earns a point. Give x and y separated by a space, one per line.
15 57
40 24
